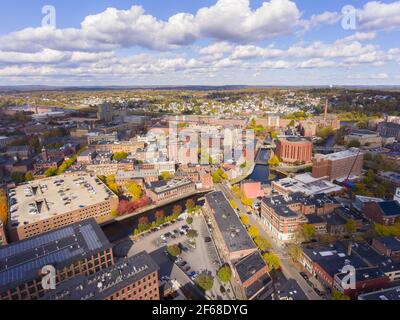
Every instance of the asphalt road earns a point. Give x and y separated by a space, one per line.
288 268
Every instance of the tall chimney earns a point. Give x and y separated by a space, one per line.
349 248
326 110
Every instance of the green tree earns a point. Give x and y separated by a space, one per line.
189 220
192 234
272 260
224 274
308 231
119 156
50 172
204 281
351 226
262 243
354 144
190 205
295 252
174 250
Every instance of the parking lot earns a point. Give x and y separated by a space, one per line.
193 260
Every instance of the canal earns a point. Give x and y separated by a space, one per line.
119 230
261 170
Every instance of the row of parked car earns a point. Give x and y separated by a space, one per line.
175 233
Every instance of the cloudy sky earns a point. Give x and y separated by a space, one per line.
204 42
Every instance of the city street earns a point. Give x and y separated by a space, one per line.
288 268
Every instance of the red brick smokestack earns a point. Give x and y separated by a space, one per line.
326 110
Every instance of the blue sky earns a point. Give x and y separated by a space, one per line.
214 42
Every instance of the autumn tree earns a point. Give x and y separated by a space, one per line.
253 231
272 260
159 215
174 250
134 190
166 175
262 243
190 205
245 219
3 206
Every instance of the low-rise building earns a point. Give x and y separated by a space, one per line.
388 246
385 212
364 137
252 189
231 238
392 294
165 190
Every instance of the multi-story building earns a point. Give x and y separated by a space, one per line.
105 112
165 190
231 238
97 137
133 278
78 249
339 165
365 138
294 150
251 275
46 204
140 176
385 212
122 146
389 129
20 152
281 221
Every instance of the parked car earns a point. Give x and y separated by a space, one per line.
207 239
304 275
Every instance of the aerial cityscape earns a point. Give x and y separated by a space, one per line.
224 150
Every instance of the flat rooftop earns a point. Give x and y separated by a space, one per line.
162 186
386 294
20 261
349 153
44 198
307 185
235 235
105 283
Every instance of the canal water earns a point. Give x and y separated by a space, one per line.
121 229
261 171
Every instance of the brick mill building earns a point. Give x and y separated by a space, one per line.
338 165
51 203
293 150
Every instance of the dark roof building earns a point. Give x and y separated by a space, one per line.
68 249
134 278
253 277
384 212
388 246
231 236
386 294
